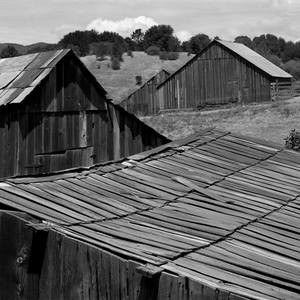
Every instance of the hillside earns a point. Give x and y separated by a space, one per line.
24 49
120 83
269 121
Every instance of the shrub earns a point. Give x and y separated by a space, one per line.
152 50
129 53
293 67
163 55
115 63
138 79
168 55
9 51
173 55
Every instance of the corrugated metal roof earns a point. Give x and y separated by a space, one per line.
19 75
217 207
256 59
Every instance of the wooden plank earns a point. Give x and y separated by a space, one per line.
15 240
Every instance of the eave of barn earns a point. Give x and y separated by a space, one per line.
215 207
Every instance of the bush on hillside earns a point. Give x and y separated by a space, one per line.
163 55
101 49
293 67
153 50
129 53
173 55
138 79
115 63
9 51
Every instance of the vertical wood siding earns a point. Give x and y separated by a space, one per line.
144 101
66 122
45 265
218 76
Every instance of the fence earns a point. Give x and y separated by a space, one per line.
282 90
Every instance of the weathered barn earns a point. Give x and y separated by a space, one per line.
214 216
223 72
144 100
54 115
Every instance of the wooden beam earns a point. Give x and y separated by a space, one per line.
116 132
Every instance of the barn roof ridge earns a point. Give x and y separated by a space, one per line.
259 64
20 75
195 207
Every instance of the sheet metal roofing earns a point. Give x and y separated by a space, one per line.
20 75
216 207
256 59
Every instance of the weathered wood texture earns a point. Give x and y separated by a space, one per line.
217 76
215 207
47 265
67 122
144 101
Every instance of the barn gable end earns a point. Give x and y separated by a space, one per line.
54 115
144 100
222 73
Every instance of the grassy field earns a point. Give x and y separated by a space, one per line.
120 83
271 121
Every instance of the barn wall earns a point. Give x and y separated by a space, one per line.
216 77
65 123
144 101
44 265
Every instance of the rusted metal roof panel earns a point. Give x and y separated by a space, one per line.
19 74
256 59
7 77
18 63
220 208
25 78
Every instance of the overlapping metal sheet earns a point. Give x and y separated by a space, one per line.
216 207
21 74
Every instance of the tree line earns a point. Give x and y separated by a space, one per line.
161 40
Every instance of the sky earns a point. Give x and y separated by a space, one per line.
30 21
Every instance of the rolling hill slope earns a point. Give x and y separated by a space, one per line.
120 83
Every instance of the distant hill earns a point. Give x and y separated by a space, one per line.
24 49
120 83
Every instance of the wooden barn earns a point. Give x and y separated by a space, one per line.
211 217
144 100
54 115
224 72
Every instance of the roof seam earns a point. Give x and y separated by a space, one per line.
225 237
52 225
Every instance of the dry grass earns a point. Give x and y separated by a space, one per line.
272 121
120 83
